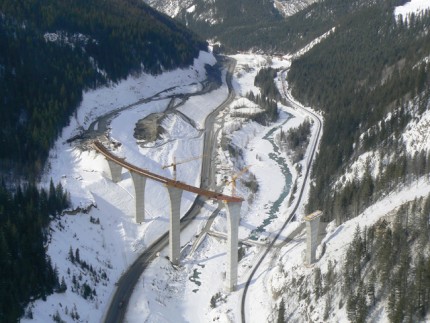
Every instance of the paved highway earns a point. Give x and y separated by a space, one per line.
209 149
313 146
125 285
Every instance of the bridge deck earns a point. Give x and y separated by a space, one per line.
167 181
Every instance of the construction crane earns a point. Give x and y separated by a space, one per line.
235 177
174 163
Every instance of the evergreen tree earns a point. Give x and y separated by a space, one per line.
77 256
71 255
63 286
371 289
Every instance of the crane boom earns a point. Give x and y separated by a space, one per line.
235 177
174 163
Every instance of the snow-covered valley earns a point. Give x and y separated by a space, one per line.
106 236
97 241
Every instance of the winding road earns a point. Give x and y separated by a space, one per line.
118 306
125 285
313 146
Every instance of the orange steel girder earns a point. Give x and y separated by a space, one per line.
164 180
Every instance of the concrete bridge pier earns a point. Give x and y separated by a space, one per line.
233 219
139 182
312 227
115 171
175 195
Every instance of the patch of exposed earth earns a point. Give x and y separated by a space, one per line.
149 129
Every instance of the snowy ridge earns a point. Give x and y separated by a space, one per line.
289 8
316 41
171 7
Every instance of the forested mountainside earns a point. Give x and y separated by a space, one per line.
259 25
53 50
25 270
371 79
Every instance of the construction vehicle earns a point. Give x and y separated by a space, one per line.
174 163
235 177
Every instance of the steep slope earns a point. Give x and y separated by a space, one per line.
288 8
275 26
372 81
52 51
174 8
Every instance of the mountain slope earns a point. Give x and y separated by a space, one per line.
370 89
275 26
371 178
53 50
51 53
236 24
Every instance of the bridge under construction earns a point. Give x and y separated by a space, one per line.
175 189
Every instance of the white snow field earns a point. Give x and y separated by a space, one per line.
109 240
195 292
413 6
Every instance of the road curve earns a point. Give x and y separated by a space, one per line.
293 212
125 285
209 146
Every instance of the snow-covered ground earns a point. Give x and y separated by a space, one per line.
417 134
289 265
413 6
195 292
289 8
108 237
109 240
172 8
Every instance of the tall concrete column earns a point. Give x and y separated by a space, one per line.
139 182
233 219
175 195
312 226
115 171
